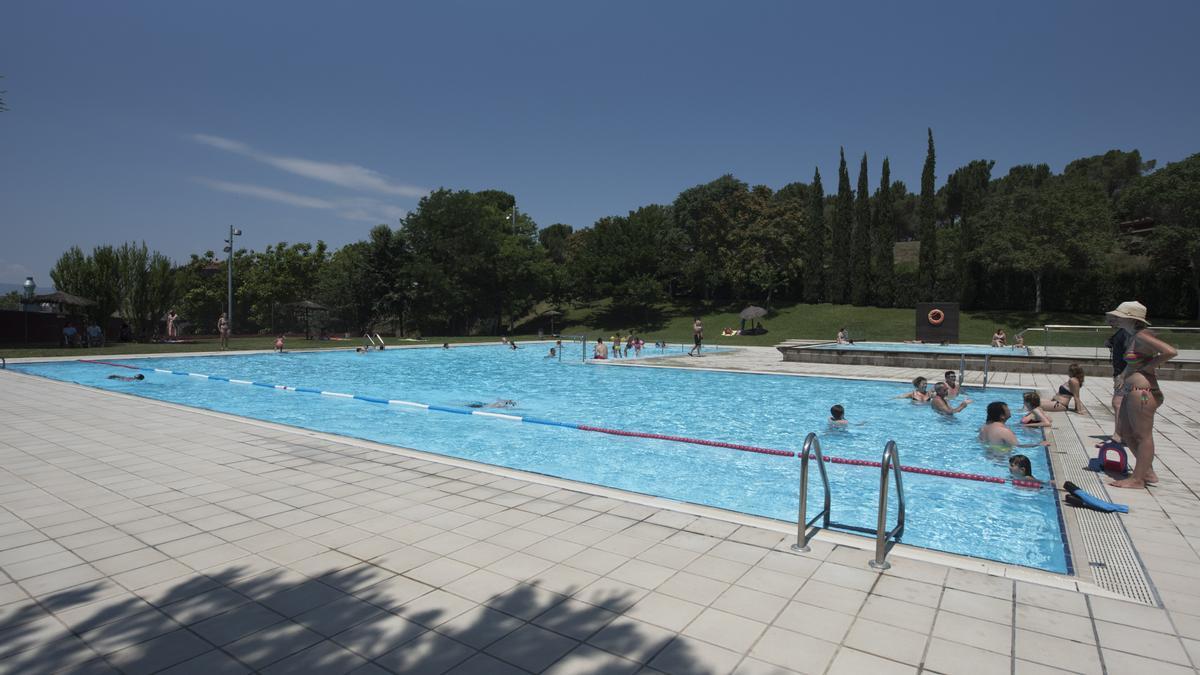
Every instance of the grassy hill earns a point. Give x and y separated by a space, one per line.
674 323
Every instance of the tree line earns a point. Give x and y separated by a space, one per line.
1108 228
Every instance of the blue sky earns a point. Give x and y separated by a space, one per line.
169 121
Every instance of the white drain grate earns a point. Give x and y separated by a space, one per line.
1107 550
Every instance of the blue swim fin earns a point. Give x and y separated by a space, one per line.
1091 501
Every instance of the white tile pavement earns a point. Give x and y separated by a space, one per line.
137 536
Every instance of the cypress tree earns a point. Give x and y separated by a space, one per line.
860 240
843 222
926 226
815 243
884 241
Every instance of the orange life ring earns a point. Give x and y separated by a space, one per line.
936 317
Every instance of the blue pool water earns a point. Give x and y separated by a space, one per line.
997 522
955 349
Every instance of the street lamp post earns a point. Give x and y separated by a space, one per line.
233 232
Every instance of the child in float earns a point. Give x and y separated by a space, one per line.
919 393
1034 415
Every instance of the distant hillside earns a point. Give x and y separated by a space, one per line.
6 288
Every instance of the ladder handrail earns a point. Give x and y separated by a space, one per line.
803 536
885 539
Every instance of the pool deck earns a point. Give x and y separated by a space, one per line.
138 536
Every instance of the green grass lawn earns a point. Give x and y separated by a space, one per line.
673 323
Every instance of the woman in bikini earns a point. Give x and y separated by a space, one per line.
919 394
1143 398
1067 392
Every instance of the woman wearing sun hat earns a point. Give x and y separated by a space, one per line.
1139 382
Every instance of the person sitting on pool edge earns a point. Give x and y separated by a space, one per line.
941 405
995 433
600 351
1034 416
999 339
1067 392
918 394
127 378
843 337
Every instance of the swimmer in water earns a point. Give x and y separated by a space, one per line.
127 378
919 394
995 433
1020 467
551 355
498 403
837 418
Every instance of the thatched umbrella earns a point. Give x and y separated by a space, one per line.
750 313
308 306
63 299
552 313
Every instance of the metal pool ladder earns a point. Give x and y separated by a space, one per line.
884 539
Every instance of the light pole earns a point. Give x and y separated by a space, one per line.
233 232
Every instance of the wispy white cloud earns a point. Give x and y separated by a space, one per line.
350 176
362 209
13 272
270 194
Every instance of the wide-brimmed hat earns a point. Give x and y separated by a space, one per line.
1131 310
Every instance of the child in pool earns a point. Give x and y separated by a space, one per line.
837 418
1034 415
1021 468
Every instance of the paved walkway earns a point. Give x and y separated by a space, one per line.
140 537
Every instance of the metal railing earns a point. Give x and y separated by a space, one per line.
885 539
803 535
1098 349
582 341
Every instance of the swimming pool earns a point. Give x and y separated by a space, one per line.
997 522
955 349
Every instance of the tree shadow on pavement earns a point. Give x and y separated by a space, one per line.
363 618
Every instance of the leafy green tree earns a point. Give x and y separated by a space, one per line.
279 275
965 191
147 287
860 244
1038 224
840 239
345 286
707 214
927 228
1112 171
620 257
202 289
883 241
94 277
815 244
762 254
472 265
1171 198
10 300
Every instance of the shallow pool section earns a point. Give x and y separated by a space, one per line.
955 349
998 522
